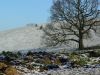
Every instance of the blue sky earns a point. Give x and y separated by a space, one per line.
17 13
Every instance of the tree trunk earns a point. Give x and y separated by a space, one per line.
81 46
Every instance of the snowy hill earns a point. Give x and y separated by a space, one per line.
29 37
23 38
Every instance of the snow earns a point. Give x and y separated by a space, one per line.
93 40
23 38
30 37
74 71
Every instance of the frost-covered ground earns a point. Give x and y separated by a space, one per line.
75 71
23 38
29 37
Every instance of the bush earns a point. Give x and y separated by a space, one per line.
1 73
57 61
73 57
30 53
94 54
78 59
2 65
47 61
11 71
81 62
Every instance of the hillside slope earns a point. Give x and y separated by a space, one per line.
30 37
23 38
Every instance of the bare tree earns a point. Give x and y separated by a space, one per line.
73 18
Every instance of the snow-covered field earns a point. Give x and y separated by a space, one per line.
29 37
75 71
23 38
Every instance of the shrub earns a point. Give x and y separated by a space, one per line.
81 62
73 57
30 53
57 61
47 61
94 54
11 71
1 73
2 65
78 59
